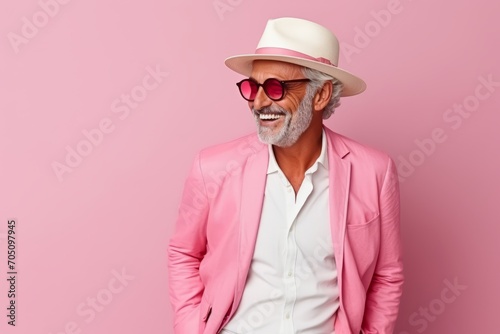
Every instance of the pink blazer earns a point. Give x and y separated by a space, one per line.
209 254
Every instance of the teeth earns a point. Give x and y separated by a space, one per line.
269 116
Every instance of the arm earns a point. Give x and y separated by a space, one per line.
384 293
185 252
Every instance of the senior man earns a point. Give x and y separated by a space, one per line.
295 228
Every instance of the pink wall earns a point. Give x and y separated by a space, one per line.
92 231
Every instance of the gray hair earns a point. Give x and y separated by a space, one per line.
317 81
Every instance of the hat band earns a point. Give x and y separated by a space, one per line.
288 52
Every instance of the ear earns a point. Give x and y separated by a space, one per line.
323 96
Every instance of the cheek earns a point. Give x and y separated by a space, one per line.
292 107
294 103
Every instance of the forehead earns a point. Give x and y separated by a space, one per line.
276 69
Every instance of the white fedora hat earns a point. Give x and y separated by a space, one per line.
303 43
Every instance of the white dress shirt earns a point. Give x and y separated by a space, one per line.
292 281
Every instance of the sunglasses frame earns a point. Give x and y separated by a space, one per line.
283 84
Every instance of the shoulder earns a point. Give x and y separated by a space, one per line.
227 154
345 146
361 156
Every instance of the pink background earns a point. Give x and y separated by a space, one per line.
115 210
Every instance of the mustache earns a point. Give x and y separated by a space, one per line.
270 110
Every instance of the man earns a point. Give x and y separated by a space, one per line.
294 229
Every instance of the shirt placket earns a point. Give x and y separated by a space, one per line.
290 283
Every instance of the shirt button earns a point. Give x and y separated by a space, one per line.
289 274
287 316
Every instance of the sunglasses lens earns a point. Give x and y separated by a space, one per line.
273 89
248 89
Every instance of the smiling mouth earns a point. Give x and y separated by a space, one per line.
270 117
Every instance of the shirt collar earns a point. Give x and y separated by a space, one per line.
322 159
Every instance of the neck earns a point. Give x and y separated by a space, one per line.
297 158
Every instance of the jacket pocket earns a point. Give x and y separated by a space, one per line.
205 312
363 244
355 224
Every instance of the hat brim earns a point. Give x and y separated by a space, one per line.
352 84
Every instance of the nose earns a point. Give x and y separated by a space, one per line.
261 99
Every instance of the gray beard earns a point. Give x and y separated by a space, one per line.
292 126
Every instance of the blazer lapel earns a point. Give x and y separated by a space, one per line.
252 198
340 172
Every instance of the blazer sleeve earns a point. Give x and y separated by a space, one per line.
384 293
186 250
